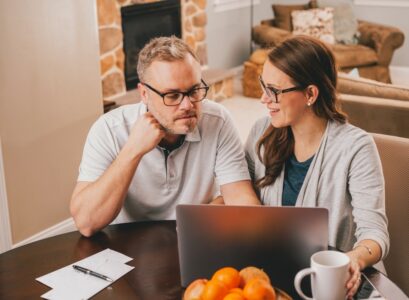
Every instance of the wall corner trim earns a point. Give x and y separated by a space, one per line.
65 226
5 230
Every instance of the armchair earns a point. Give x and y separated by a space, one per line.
371 56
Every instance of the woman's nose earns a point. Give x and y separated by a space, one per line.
265 99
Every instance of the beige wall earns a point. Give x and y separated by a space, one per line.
50 93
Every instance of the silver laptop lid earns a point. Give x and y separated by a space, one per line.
279 240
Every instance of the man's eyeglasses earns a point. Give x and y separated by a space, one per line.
273 93
195 94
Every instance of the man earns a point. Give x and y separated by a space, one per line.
141 160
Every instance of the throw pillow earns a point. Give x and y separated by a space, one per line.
282 14
345 22
316 22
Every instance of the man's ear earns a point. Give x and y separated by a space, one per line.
143 92
311 93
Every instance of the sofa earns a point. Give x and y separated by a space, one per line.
371 56
394 156
379 115
374 106
371 105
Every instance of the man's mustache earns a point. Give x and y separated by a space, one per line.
187 115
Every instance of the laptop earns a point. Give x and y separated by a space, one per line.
279 240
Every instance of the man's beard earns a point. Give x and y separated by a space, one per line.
191 123
169 127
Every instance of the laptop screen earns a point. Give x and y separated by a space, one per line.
279 240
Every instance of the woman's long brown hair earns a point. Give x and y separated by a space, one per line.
306 61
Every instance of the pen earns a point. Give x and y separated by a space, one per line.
92 273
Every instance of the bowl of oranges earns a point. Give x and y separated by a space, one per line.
228 283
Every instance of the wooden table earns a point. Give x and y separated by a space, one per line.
152 245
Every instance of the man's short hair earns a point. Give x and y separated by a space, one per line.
162 49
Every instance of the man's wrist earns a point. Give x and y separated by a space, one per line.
133 153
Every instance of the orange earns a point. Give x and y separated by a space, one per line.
259 289
236 291
214 290
234 296
249 273
229 276
195 290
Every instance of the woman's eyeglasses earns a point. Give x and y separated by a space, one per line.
273 93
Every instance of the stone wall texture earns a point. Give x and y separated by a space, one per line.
112 56
221 90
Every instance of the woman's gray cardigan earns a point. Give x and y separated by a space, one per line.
345 177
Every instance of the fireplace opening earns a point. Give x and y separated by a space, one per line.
140 23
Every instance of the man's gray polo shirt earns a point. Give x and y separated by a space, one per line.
212 152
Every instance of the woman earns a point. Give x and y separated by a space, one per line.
306 154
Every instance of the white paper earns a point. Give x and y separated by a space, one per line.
68 283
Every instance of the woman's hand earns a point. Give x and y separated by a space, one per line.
366 253
355 277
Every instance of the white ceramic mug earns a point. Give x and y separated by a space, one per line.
329 274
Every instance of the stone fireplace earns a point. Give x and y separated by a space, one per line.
140 23
112 57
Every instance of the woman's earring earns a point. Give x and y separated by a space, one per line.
309 103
